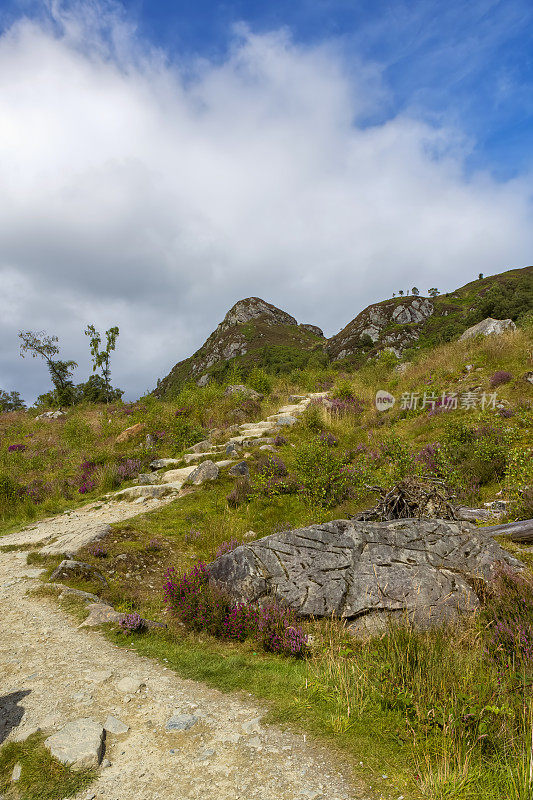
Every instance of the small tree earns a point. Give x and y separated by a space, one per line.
433 292
400 292
415 291
11 401
39 344
480 276
101 358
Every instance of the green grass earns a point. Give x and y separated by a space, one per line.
42 776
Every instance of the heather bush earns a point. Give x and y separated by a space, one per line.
132 623
226 547
499 378
508 618
201 606
129 468
98 551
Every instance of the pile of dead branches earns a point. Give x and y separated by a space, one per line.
411 498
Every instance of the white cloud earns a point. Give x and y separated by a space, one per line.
141 193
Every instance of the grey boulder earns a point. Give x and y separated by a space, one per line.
239 469
366 571
80 744
206 471
76 569
489 327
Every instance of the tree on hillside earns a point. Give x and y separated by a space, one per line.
433 292
480 276
39 345
11 401
101 358
415 291
400 292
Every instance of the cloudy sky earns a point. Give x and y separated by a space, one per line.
160 161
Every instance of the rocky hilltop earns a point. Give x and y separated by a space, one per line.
255 333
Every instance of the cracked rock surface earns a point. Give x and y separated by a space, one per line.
366 571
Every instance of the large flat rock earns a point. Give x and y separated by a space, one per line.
366 570
80 744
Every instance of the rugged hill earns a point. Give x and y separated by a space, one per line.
404 322
256 333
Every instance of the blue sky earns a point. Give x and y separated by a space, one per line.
161 161
469 63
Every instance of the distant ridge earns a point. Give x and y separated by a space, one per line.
255 333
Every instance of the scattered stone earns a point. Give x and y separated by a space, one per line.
296 398
51 415
401 369
252 726
200 447
224 463
69 569
69 591
232 449
177 475
366 571
528 377
268 447
154 491
80 744
206 471
130 433
181 722
286 421
191 458
246 390
150 440
17 771
239 469
106 763
116 726
488 327
129 685
146 479
99 613
161 463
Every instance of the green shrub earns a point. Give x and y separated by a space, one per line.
260 381
323 473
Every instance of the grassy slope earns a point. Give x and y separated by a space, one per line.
344 691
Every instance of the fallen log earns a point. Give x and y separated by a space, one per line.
520 532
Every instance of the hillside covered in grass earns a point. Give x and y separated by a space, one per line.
441 713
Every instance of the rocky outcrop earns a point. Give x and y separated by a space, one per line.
489 327
366 571
393 324
314 329
250 325
130 433
247 391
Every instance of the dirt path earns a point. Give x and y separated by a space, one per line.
52 672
